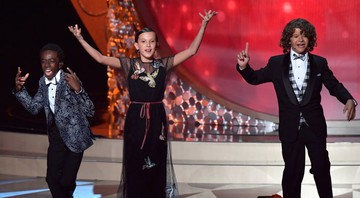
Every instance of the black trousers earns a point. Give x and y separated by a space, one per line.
294 158
62 166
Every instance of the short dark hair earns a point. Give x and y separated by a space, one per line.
305 26
56 48
146 29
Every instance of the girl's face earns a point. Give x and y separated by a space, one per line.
50 63
146 45
299 42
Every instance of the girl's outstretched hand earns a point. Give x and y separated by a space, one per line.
207 16
76 31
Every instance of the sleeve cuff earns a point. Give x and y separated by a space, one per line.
238 66
81 90
355 102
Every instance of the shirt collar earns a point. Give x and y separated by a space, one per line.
292 52
54 80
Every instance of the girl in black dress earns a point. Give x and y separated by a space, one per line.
145 172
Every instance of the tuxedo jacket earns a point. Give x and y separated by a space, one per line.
70 114
277 72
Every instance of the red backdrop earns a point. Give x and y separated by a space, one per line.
260 22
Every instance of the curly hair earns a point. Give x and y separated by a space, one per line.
305 26
55 48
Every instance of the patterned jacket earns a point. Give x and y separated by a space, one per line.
71 112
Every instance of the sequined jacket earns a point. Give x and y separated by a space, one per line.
71 112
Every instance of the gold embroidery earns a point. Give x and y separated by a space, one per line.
150 78
138 70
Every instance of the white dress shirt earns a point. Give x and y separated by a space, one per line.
52 89
299 67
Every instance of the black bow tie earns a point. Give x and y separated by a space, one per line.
300 56
52 81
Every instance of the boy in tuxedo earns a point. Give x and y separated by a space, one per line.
66 106
298 77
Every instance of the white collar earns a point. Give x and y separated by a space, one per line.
54 80
293 53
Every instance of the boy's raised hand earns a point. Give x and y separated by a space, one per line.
73 81
243 57
20 80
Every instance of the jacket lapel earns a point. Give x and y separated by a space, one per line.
45 91
287 84
310 87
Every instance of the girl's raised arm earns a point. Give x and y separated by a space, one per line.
105 60
189 52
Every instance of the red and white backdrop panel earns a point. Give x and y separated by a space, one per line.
259 22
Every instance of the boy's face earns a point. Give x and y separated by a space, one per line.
299 42
50 63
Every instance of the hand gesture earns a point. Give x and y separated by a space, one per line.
20 80
207 16
72 80
76 31
349 109
243 57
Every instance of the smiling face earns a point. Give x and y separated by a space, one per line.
146 44
50 63
299 42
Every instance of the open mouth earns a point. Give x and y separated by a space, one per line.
148 50
48 72
301 45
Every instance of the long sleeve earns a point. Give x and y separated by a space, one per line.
32 104
255 77
335 87
86 105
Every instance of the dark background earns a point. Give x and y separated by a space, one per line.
25 27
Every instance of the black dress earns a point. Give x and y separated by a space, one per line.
147 169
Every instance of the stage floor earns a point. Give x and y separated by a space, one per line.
25 187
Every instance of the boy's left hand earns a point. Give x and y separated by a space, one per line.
73 80
349 109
